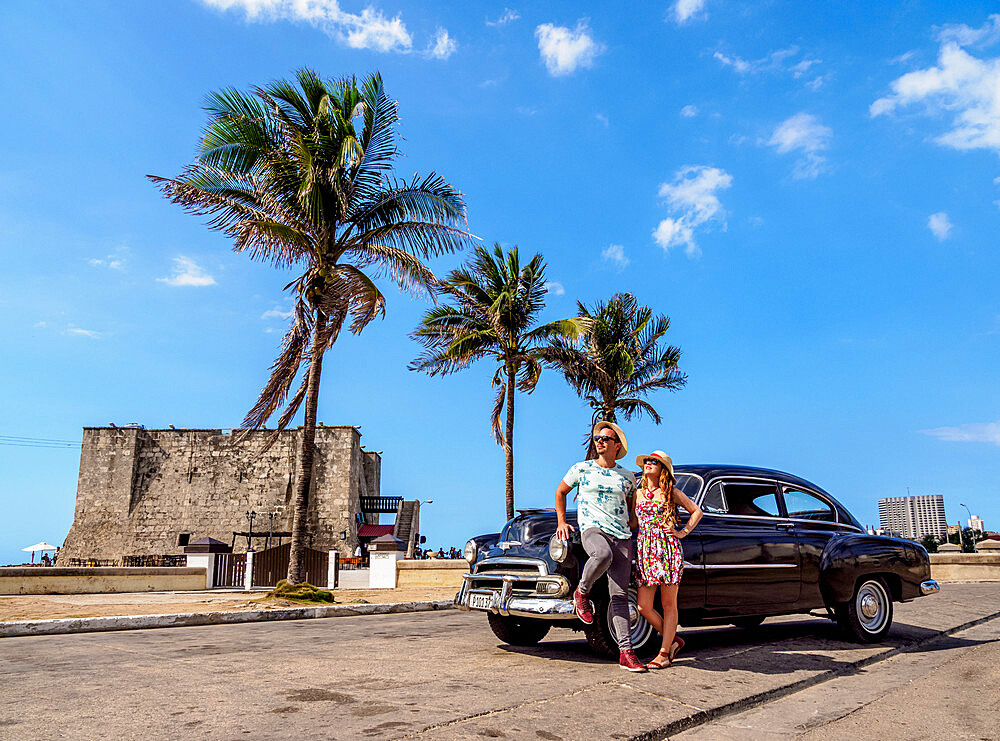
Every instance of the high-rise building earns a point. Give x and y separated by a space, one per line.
976 523
913 517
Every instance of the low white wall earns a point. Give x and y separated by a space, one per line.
98 579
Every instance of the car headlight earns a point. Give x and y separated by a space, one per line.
558 549
470 552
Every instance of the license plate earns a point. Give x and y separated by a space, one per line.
481 601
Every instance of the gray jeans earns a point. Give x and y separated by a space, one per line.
614 556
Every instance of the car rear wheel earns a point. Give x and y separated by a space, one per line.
601 635
517 631
867 617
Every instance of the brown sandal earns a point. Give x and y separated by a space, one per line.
679 643
658 662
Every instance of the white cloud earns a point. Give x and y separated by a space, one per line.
940 225
277 313
779 61
602 118
526 111
986 432
369 29
962 87
803 132
615 254
509 16
114 261
689 111
70 329
443 45
692 197
563 50
187 273
554 287
685 10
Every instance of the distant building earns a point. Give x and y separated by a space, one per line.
913 517
976 523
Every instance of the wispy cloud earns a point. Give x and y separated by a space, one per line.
277 313
615 254
689 111
962 88
691 196
508 16
685 10
805 134
784 61
187 273
940 225
443 45
602 118
554 287
369 29
983 432
114 261
79 332
564 50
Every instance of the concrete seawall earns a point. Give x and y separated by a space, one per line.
965 566
99 579
431 573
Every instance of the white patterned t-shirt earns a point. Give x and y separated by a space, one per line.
601 497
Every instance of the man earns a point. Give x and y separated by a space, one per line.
605 492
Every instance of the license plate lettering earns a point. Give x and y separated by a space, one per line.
480 601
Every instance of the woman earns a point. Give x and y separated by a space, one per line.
659 556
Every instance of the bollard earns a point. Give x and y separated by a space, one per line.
248 575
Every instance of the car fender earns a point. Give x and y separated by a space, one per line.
847 558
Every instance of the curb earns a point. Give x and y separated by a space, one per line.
738 706
21 628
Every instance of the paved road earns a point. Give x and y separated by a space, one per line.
426 676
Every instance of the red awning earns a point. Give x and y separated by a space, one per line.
375 531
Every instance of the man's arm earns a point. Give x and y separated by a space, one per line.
564 528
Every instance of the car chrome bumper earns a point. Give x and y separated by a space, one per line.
504 602
929 587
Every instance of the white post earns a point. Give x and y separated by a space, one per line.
333 569
248 575
382 574
203 561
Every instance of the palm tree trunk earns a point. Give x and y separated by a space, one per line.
307 447
509 447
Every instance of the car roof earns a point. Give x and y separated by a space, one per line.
711 470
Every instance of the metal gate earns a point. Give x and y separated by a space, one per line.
271 565
230 569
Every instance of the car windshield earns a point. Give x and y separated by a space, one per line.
689 484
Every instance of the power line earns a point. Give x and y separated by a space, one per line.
37 442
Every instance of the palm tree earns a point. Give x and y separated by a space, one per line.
618 360
496 302
298 175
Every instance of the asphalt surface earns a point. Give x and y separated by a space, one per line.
444 675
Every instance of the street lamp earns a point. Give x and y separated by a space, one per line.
962 531
250 515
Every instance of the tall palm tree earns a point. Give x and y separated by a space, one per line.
298 175
496 301
618 361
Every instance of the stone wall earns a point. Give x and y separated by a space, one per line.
140 490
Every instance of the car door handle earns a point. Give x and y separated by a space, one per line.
785 525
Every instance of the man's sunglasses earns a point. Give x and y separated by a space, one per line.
604 439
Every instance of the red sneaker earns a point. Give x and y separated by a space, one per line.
628 660
581 605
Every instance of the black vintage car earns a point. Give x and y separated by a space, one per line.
770 543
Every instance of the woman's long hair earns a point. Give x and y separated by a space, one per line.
665 484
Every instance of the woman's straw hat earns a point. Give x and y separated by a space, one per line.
618 431
640 460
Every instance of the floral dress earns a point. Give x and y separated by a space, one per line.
660 558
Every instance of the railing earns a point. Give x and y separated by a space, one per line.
382 505
230 569
91 562
154 561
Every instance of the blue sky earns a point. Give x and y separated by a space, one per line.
807 190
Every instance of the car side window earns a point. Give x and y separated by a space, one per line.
804 505
754 498
715 500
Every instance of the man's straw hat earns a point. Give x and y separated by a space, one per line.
640 460
618 431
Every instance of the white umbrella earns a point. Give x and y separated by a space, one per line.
43 546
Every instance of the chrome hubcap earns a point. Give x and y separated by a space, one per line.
639 629
872 606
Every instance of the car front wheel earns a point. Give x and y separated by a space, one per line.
517 631
867 617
